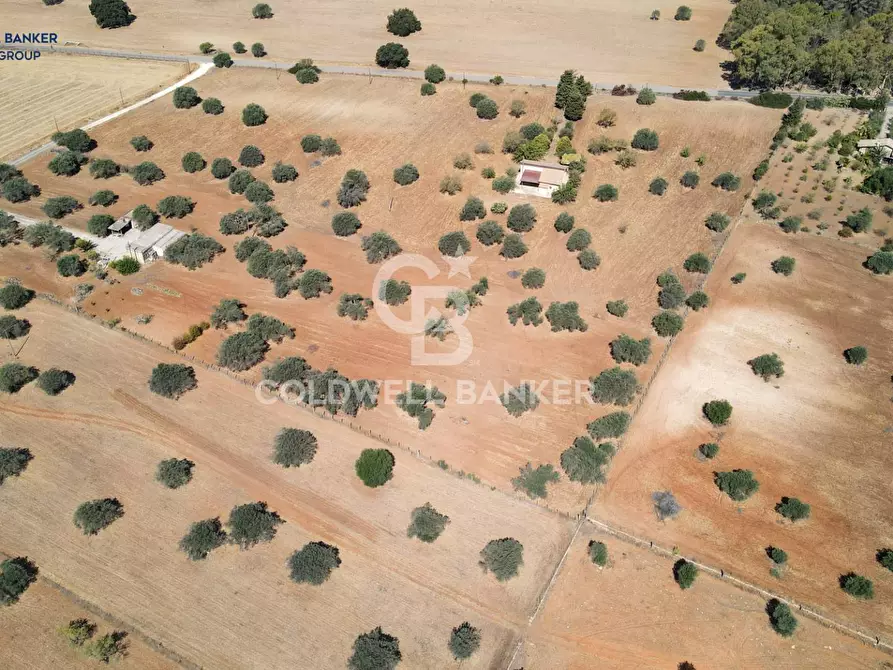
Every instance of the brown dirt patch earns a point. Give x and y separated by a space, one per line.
381 125
115 432
820 433
632 614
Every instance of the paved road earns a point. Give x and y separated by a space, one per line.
356 70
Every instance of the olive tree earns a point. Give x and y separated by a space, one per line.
203 537
503 557
54 381
293 447
403 22
464 641
251 524
96 515
15 376
375 650
171 380
426 523
375 467
392 56
13 462
174 472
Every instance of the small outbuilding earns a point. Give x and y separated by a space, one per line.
540 178
153 242
885 145
121 226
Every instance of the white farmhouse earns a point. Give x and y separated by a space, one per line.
151 244
540 178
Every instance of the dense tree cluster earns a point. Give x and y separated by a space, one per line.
572 94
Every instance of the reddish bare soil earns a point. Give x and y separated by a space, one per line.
104 437
819 433
632 614
381 125
614 41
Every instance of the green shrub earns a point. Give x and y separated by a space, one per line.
772 99
12 328
503 558
354 306
239 181
185 97
222 60
519 400
254 115
718 412
294 448
212 106
487 109
767 366
57 208
415 403
330 147
380 246
146 173
737 484
717 222
406 174
174 472
313 563
564 223
709 450
257 50
588 259
172 380
533 480
13 462
884 556
193 162
598 553
760 170
783 266
697 262
605 193
615 385
684 573
646 97
578 240
78 632
251 156
697 300
104 168
617 308
565 316
54 381
103 198
533 278
781 619
793 509
434 74
490 233
454 244
690 179
427 523
222 168
658 186
96 515
626 349
498 208
16 575
464 641
375 650
242 351
70 266
375 467
353 190
857 586
175 206
392 56
880 262
667 324
521 218
15 296
67 163
258 192
727 181
345 224
700 45
141 143
74 140
584 461
394 292
203 538
252 523
610 425
778 556
513 246
529 311
314 283
645 139
472 209
503 184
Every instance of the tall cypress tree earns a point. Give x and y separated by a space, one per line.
565 86
575 105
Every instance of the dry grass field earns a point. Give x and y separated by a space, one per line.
64 92
381 125
819 433
29 638
631 614
104 437
610 42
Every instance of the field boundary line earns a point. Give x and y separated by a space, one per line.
828 622
115 621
